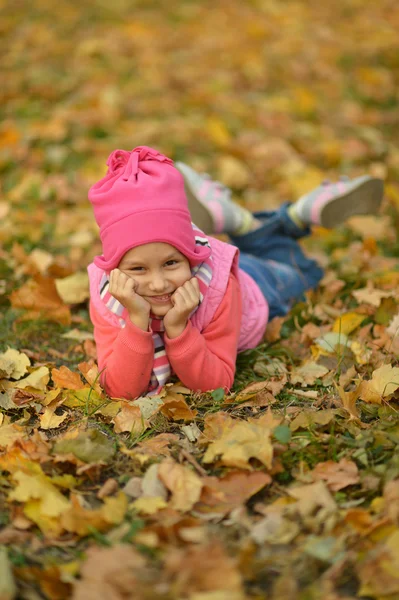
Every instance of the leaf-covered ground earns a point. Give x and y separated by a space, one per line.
289 487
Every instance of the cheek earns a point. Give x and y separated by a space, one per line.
184 275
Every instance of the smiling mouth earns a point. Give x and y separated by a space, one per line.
160 299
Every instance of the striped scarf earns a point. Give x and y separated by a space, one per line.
161 370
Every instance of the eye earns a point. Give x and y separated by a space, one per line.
170 263
136 269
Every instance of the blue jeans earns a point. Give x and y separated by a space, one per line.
272 256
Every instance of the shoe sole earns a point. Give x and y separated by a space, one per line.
363 199
200 215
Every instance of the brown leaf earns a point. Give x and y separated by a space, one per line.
184 484
130 419
65 378
337 475
217 571
273 329
176 408
220 496
391 497
311 497
109 573
40 297
89 371
349 401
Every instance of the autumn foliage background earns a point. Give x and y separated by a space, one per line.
289 486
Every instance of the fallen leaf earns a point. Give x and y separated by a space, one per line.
109 573
221 495
383 383
307 373
307 418
182 482
369 295
130 419
49 420
348 322
8 589
337 475
90 446
311 497
13 364
40 297
81 520
176 408
349 401
239 442
65 378
148 505
90 372
73 289
218 571
37 380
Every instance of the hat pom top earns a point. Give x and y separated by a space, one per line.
128 163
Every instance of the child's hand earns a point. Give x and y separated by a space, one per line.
184 300
123 288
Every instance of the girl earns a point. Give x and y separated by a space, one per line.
167 299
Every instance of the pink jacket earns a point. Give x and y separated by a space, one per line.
253 318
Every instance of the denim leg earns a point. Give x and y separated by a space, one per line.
272 256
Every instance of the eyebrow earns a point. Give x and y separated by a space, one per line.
135 263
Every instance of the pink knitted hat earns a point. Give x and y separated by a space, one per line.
140 200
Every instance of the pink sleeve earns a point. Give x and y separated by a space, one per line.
206 361
126 355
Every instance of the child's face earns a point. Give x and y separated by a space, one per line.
158 269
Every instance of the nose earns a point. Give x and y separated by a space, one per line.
158 283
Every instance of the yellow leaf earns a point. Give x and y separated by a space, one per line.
39 487
184 484
114 508
49 420
37 380
218 132
361 353
241 441
148 505
9 434
384 382
348 322
73 289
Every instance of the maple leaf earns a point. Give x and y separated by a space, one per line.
176 408
308 373
130 419
337 475
109 573
239 442
220 496
383 383
184 484
65 378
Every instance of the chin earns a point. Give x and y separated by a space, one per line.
160 311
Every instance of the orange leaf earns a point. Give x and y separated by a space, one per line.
40 297
65 378
176 408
